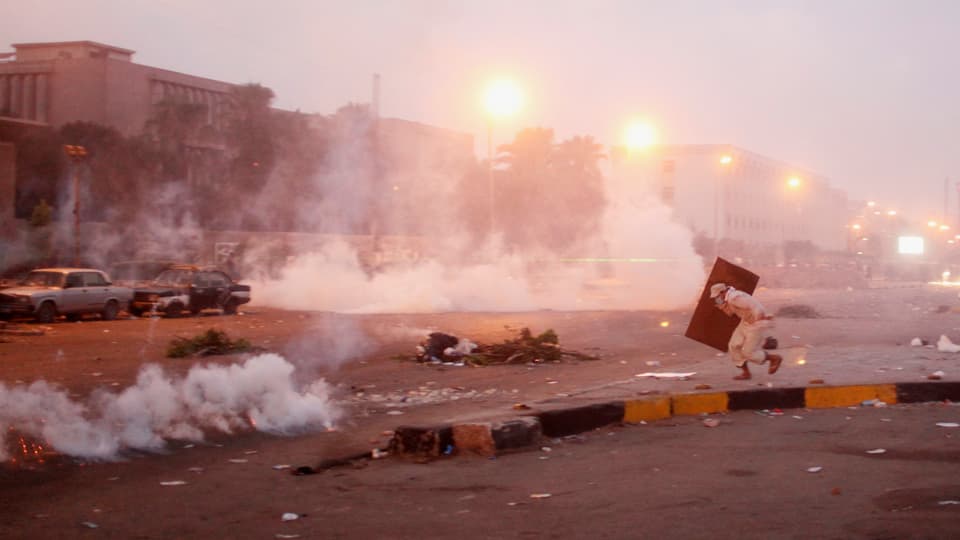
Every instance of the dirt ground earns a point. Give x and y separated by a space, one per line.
861 336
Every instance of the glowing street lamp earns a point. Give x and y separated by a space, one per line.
931 223
891 213
502 98
640 135
725 161
794 182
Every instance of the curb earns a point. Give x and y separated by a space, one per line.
491 438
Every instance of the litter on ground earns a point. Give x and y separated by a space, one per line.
667 375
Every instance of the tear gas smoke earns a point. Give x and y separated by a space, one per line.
257 394
646 262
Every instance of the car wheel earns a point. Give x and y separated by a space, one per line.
230 308
174 309
195 310
46 313
73 317
136 312
110 311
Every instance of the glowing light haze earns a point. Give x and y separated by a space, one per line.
859 90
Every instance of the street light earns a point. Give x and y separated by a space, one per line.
502 98
794 182
640 135
725 161
77 155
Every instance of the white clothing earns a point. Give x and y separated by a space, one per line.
755 326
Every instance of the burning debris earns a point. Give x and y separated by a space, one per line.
524 349
211 342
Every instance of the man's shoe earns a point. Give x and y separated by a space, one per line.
775 361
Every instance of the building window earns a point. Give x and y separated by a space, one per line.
667 194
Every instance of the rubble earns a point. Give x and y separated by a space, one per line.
945 345
524 349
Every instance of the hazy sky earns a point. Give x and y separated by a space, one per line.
863 91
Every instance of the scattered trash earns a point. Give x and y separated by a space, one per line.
873 403
394 413
935 376
797 417
89 524
667 375
814 469
944 503
377 453
835 491
945 345
237 460
281 467
289 516
877 451
917 342
816 381
546 449
540 495
702 387
251 452
948 424
652 362
278 535
521 407
711 422
196 470
173 483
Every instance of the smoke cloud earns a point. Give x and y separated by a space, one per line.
640 259
257 394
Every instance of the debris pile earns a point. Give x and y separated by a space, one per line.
211 342
440 348
524 349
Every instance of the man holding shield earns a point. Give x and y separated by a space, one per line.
748 337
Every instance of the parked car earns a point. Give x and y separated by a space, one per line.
48 292
138 273
190 288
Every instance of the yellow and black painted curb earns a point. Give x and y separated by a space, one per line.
488 438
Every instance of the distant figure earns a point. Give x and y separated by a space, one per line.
754 328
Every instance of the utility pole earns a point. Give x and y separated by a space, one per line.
77 155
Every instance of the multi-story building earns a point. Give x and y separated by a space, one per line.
62 82
732 195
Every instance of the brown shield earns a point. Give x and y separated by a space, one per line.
709 325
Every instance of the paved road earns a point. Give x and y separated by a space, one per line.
746 478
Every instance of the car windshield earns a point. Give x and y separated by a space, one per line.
44 279
174 277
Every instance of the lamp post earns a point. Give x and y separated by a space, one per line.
725 161
77 155
503 98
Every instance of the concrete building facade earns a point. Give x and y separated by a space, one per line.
728 193
58 83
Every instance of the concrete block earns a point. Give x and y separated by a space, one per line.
474 438
518 433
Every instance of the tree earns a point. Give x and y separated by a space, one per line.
548 195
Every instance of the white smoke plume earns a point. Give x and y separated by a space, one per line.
641 260
257 394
